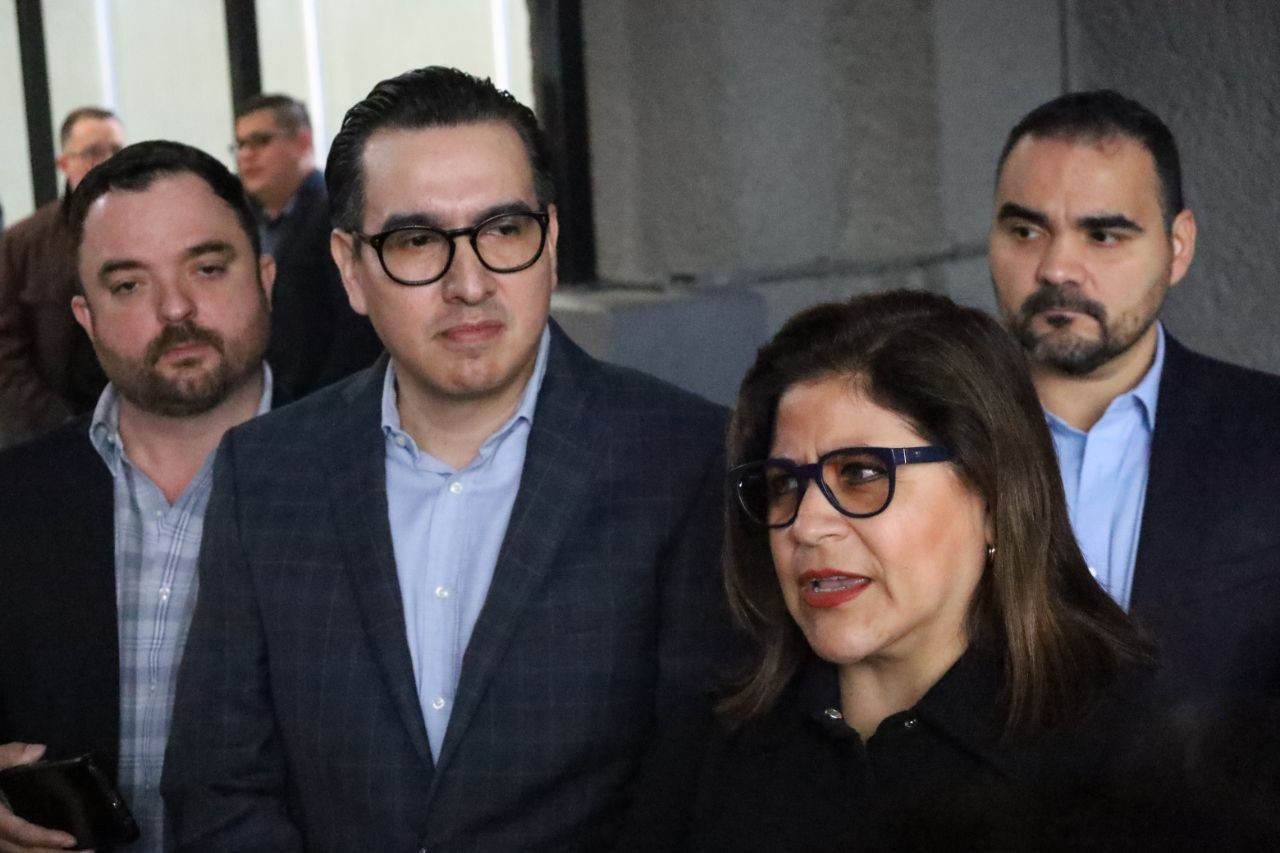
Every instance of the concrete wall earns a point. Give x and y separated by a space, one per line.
752 158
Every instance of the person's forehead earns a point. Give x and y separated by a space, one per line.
1105 168
445 165
263 119
184 203
91 129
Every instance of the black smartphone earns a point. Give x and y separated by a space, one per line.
72 795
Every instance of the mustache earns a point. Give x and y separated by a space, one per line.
185 332
1054 296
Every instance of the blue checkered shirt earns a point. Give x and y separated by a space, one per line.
156 546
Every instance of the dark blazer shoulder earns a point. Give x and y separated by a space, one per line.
59 673
625 393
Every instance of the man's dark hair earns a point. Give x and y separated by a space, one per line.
1104 114
423 98
82 113
137 166
290 114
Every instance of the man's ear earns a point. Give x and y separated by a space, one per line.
342 247
84 316
267 274
302 139
1182 236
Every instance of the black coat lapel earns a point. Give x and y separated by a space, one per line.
358 493
557 471
1168 544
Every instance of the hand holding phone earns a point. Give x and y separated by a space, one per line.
19 833
60 804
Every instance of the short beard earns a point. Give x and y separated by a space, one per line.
140 383
1066 352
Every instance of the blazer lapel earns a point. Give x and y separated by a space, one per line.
557 472
1168 540
358 493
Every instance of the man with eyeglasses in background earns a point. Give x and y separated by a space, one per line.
48 371
315 336
446 603
1168 457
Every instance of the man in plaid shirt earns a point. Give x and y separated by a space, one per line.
174 297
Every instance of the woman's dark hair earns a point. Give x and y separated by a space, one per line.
961 381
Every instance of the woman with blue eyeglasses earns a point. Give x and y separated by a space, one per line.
934 666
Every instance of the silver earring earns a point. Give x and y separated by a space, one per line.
991 552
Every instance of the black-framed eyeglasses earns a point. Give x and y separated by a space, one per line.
858 481
96 153
254 141
415 255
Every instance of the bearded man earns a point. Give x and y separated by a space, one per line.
1168 457
103 518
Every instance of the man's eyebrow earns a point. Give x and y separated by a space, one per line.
1108 222
420 218
1012 210
109 267
220 247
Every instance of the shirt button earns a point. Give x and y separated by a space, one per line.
442 592
455 487
909 723
400 442
437 703
1093 572
833 714
164 593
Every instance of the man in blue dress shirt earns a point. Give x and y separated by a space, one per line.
102 519
447 602
1168 457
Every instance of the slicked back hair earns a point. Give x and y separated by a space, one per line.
68 123
958 378
290 113
1105 114
425 98
139 165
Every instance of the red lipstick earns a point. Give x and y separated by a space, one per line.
830 588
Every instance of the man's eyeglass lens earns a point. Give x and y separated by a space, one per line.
252 142
421 255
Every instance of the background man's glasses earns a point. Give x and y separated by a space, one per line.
95 153
253 142
858 481
416 254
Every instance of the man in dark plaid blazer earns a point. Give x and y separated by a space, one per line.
312 712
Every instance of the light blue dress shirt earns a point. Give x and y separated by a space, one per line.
447 527
1104 472
156 548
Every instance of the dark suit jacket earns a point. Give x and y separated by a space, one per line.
1207 577
48 370
316 338
59 657
59 632
297 721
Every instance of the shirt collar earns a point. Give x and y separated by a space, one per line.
104 429
964 703
391 427
1147 391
